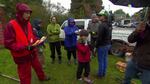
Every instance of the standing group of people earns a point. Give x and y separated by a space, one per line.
27 51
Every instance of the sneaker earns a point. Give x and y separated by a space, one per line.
75 61
53 61
45 79
69 62
99 77
87 80
59 61
80 81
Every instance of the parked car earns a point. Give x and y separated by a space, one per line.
119 35
134 24
125 23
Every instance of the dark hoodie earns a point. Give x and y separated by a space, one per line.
37 28
70 35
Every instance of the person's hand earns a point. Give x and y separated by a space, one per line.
77 32
93 33
29 47
140 27
36 43
42 39
39 41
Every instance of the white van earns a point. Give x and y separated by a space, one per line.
81 23
119 35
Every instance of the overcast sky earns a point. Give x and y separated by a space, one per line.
106 3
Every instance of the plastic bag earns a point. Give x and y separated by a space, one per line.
62 34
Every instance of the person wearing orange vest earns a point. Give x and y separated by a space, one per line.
19 39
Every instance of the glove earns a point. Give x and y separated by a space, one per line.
77 32
93 33
29 47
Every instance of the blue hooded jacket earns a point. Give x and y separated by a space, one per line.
70 35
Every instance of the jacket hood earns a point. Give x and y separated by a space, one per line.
20 9
36 23
70 22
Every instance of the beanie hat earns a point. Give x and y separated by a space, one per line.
83 32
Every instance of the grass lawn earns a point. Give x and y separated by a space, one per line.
60 73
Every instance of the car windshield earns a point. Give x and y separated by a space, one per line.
80 24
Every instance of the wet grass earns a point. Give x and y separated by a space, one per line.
60 73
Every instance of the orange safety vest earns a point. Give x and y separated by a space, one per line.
22 39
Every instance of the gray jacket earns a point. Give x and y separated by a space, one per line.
93 28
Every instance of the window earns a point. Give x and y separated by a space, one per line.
127 21
80 24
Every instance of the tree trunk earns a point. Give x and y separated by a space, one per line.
89 7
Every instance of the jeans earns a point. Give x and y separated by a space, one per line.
102 59
145 77
132 70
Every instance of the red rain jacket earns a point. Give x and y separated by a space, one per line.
83 52
22 39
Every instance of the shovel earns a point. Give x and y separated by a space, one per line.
9 77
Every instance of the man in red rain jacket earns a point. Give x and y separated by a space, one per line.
19 39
